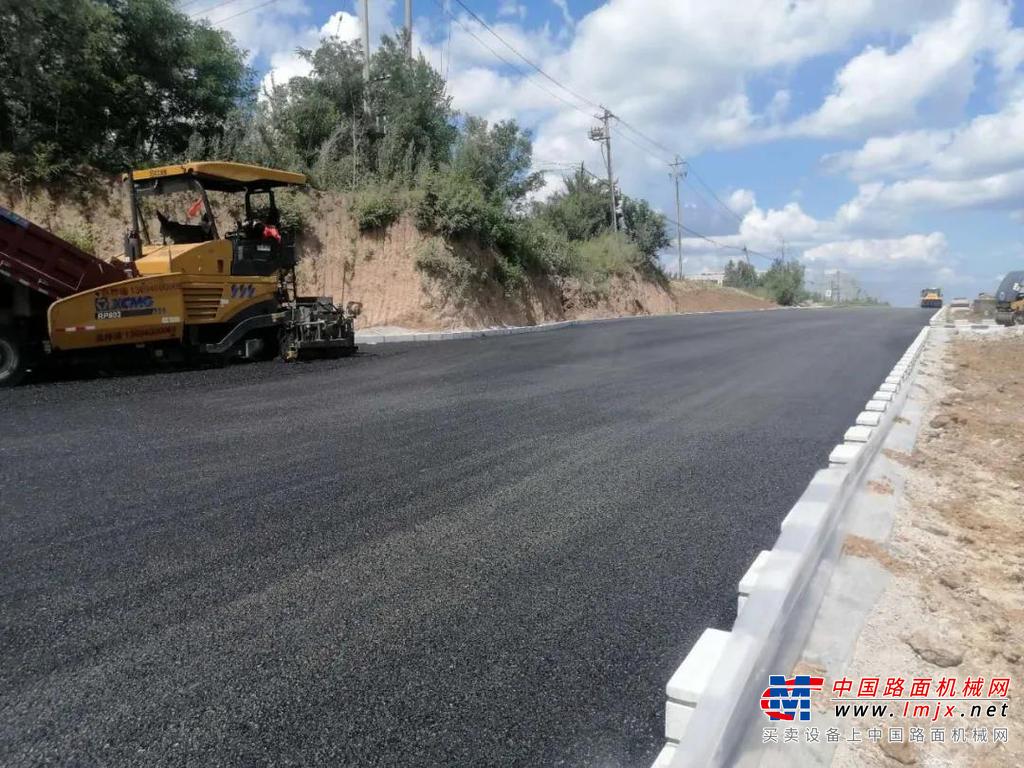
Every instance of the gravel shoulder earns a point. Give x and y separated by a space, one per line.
954 606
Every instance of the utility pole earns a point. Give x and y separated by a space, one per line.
603 134
355 151
408 28
364 14
679 171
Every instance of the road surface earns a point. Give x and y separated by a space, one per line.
484 552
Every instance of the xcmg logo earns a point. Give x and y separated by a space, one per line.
243 291
789 698
122 303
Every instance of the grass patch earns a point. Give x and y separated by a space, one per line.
375 209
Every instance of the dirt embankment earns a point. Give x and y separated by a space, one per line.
379 268
955 605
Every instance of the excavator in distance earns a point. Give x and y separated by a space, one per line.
185 291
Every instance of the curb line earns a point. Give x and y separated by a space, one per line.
711 697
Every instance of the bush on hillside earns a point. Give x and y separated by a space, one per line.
375 210
609 255
452 206
80 237
441 262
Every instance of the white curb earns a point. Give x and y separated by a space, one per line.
689 681
869 418
750 578
845 453
859 433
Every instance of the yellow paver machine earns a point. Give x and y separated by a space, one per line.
931 298
189 289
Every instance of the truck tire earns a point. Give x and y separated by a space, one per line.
12 360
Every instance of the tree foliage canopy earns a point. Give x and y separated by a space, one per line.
497 158
741 275
110 84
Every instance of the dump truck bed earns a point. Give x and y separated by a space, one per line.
43 262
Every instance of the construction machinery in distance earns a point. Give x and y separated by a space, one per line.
931 298
1010 299
186 293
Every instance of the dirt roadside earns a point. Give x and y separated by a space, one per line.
954 607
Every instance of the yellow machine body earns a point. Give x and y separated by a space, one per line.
931 298
228 296
181 285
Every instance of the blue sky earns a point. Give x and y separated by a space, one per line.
882 139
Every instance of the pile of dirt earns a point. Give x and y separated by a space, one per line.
379 268
955 605
693 296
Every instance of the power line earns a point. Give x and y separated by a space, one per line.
215 6
641 147
645 137
242 13
512 48
497 55
704 184
716 243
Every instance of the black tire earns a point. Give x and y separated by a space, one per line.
12 360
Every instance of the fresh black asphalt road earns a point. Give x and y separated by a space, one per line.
483 552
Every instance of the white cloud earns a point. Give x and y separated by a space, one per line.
264 30
741 200
886 156
890 253
563 6
778 106
879 89
286 64
986 144
766 229
881 204
512 8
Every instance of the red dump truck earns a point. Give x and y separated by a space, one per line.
36 269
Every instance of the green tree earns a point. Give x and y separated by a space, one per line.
319 109
784 281
645 227
498 159
740 275
110 83
580 211
416 127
